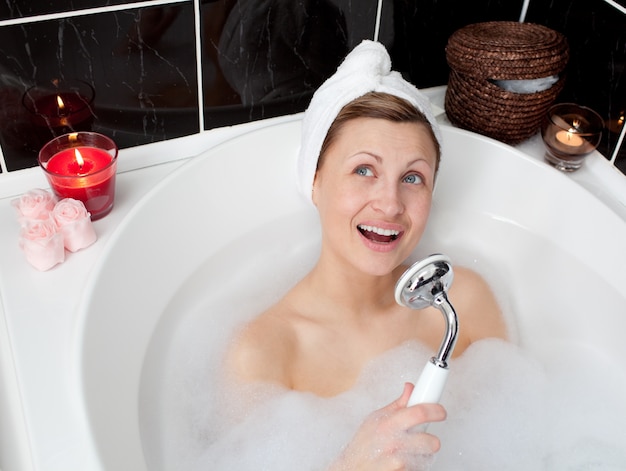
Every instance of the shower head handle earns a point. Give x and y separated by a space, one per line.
424 284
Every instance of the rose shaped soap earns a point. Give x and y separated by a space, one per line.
74 222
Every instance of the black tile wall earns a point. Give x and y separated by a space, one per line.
141 64
421 29
260 58
265 58
14 9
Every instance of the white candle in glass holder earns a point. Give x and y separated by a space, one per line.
569 138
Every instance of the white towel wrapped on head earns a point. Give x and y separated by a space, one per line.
366 69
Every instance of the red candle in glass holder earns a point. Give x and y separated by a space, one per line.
82 166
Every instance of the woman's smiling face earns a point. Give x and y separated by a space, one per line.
373 190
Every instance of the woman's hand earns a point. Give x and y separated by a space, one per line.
385 440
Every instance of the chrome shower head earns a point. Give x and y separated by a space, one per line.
425 283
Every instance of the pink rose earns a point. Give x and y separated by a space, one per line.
74 222
35 204
42 243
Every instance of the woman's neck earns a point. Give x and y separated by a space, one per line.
357 293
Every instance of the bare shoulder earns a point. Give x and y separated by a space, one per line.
261 350
476 304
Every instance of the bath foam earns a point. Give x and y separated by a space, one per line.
180 385
503 413
506 410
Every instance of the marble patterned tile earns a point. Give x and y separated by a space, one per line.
263 58
12 9
141 64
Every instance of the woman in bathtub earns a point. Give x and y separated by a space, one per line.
369 159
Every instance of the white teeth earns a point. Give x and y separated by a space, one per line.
379 231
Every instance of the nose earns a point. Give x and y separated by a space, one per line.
388 199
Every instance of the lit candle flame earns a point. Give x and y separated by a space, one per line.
60 103
79 158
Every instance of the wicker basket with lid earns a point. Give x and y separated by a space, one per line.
481 53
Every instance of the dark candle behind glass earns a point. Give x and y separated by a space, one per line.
59 107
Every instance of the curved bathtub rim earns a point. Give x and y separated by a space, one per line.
136 460
548 172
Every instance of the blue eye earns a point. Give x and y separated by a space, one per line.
413 179
363 171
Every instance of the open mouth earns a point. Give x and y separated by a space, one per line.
376 234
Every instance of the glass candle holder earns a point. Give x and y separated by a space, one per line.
82 165
570 133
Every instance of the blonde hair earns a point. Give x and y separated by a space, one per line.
380 106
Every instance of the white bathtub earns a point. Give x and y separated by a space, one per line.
231 221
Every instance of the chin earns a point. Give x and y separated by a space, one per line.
381 268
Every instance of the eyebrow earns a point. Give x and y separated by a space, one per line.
379 159
371 154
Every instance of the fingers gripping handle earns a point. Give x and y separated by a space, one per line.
430 385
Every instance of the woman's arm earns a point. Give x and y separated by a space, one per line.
261 352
